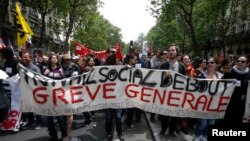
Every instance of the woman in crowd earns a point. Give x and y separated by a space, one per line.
190 72
83 65
130 61
55 71
236 108
202 124
226 66
200 65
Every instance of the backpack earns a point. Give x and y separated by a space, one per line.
4 103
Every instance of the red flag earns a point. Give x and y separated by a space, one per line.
83 50
78 49
119 53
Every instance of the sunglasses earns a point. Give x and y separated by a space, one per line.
112 52
210 63
241 61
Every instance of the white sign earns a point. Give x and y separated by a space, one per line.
13 121
120 87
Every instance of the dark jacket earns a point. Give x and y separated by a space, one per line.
236 108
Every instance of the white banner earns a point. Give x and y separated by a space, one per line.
119 87
13 121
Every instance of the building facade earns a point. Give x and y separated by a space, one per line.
53 39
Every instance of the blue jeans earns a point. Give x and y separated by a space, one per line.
202 125
118 120
62 121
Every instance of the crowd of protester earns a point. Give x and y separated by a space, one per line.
58 67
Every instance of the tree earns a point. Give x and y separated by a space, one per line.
98 33
164 33
172 9
140 39
73 12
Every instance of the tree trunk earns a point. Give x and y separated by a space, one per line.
195 48
71 24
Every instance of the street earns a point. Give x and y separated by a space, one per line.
93 132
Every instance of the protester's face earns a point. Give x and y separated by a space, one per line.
172 52
133 60
66 61
203 64
82 62
228 66
136 51
158 52
231 57
241 62
54 59
150 56
186 60
164 56
211 64
45 59
91 62
26 58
